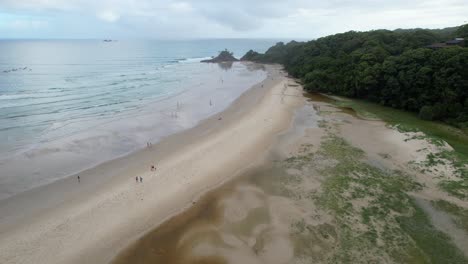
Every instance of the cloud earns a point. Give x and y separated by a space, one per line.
108 16
242 18
26 24
235 19
39 5
181 7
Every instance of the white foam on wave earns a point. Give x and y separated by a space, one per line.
18 96
194 60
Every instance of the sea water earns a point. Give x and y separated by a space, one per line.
67 105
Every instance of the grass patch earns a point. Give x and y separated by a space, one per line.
375 218
347 108
436 245
456 188
459 187
409 122
320 236
436 132
459 214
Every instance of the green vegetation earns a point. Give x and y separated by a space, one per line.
435 132
459 215
435 245
459 187
462 31
391 68
456 188
375 220
409 122
392 76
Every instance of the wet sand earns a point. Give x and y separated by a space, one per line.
73 146
268 214
224 224
245 220
91 221
256 207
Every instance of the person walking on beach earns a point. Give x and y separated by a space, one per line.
136 179
141 179
79 179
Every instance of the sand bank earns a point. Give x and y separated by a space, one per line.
89 222
309 201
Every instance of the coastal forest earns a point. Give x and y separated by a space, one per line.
402 69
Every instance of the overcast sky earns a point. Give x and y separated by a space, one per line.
170 19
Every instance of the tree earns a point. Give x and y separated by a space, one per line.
426 113
392 68
462 31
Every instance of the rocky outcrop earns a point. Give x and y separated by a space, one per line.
251 56
224 56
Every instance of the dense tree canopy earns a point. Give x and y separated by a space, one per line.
393 68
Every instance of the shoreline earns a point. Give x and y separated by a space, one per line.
75 147
71 223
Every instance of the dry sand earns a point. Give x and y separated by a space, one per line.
240 222
89 222
269 214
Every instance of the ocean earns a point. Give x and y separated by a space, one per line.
68 105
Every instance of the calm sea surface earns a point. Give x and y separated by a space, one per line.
66 105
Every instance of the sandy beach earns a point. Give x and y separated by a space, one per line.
265 181
289 208
233 132
91 221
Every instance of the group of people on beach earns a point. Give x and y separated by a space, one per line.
140 179
137 178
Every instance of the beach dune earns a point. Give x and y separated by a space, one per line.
91 221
